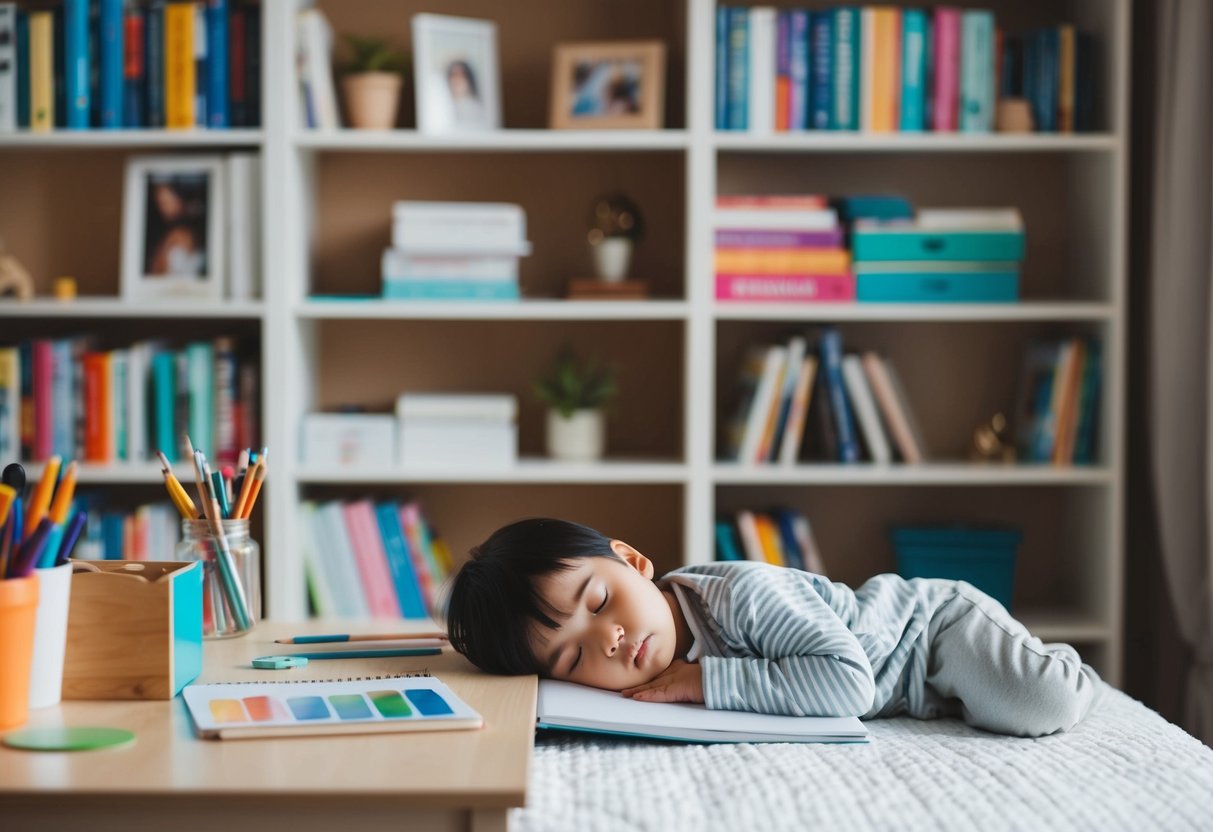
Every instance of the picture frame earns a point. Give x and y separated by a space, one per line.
455 74
173 228
607 85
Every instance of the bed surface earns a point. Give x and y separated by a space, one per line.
1124 767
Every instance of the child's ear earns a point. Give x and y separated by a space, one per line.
633 558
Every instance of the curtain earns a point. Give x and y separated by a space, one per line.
1181 336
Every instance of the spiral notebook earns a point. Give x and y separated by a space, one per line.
356 705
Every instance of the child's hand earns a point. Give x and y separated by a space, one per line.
680 682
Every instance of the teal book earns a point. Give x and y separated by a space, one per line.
727 546
450 289
913 71
1088 414
846 69
976 72
400 563
164 400
200 362
22 69
785 519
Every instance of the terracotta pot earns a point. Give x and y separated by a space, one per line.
371 99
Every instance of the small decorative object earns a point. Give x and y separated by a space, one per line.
455 73
15 281
372 82
991 442
65 288
605 85
1013 115
575 392
615 226
173 228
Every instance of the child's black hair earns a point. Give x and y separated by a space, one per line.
493 599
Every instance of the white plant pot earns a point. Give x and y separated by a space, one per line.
612 256
579 437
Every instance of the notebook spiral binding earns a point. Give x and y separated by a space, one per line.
424 672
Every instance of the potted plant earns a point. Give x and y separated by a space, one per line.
372 82
615 228
575 392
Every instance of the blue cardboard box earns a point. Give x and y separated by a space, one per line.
906 241
936 282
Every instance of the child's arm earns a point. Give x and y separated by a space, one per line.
807 663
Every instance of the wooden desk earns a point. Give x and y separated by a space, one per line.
169 779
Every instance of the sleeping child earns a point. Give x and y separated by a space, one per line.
562 600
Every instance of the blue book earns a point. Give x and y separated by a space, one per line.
821 71
448 289
22 69
1088 416
200 363
408 590
217 63
134 87
110 65
164 395
846 69
913 71
798 71
830 345
1044 102
727 545
976 72
153 63
738 83
112 544
63 407
722 67
785 519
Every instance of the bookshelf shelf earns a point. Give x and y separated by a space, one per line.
121 473
928 312
526 310
132 139
493 141
935 473
527 471
117 309
836 142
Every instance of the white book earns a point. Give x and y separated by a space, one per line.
398 264
793 432
138 366
797 345
8 68
320 579
867 65
865 410
747 530
466 444
244 225
460 227
492 407
970 219
911 421
819 219
762 69
316 68
807 541
894 417
760 406
564 705
333 540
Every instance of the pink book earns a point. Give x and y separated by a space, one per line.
363 530
946 57
44 431
410 522
814 288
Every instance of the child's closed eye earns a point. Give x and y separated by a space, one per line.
606 597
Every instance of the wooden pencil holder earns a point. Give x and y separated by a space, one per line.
134 629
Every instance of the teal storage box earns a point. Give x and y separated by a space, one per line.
983 557
936 282
870 241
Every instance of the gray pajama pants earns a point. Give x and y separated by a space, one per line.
986 668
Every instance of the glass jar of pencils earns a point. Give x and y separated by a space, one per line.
231 575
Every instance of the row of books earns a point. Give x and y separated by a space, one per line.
364 558
118 64
782 537
1057 414
148 532
887 69
454 251
66 396
794 404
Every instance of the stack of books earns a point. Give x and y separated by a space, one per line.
1057 415
966 255
466 430
794 405
455 251
886 69
118 65
782 537
780 248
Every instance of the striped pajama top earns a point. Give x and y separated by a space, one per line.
784 641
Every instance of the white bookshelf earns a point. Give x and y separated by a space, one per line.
1073 190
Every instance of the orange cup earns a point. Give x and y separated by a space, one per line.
18 604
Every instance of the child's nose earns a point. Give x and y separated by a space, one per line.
614 639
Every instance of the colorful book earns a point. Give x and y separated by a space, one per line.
945 67
865 410
891 409
180 84
202 50
154 41
783 403
886 86
42 70
217 64
976 112
1065 78
367 546
830 347
782 261
400 562
798 71
759 239
846 54
762 404
784 520
783 69
912 114
111 64
23 70
728 547
821 71
164 393
10 403
802 395
722 67
134 67
334 544
738 82
768 536
9 61
428 578
761 117
751 543
200 372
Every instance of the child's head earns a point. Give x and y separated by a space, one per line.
564 601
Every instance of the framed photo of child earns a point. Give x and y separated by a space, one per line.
608 85
173 228
455 74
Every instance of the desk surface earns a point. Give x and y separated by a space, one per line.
479 769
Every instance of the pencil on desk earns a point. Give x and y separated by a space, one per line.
342 637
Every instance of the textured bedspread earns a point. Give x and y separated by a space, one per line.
1125 767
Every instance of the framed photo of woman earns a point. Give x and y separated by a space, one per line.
455 72
608 85
173 228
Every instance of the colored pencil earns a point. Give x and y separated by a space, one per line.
342 637
40 502
62 503
372 654
233 590
258 479
7 495
245 489
74 528
176 491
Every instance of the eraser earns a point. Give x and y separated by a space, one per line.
279 662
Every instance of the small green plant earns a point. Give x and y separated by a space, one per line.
373 55
575 384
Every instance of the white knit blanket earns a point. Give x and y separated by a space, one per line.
1124 767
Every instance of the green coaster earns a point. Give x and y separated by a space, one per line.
69 739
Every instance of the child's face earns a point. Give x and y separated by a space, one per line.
620 630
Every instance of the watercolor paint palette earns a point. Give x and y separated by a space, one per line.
243 710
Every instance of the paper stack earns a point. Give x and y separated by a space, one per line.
439 430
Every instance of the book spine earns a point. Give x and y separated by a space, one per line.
831 362
164 393
1045 100
154 50
798 71
1065 79
739 68
742 238
42 71
10 403
976 72
93 442
59 65
200 358
237 95
886 69
913 71
44 402
410 516
217 92
846 69
783 401
834 288
226 380
783 69
134 73
1010 72
408 590
111 64
867 66
179 83
761 117
202 49
722 68
1084 82
118 383
946 63
9 58
783 261
1084 451
23 70
252 63
822 71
